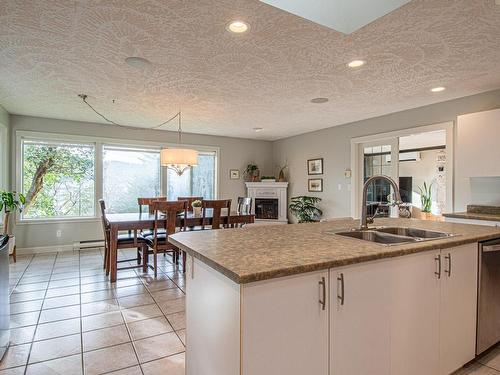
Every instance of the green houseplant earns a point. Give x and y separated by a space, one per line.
10 201
252 172
196 207
426 197
304 208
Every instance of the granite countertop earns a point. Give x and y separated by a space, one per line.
264 252
478 212
473 216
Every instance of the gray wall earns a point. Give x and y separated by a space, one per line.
4 149
333 144
235 153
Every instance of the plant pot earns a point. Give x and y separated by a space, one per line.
426 216
197 211
12 244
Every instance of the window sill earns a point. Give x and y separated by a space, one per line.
57 221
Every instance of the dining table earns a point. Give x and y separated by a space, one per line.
142 221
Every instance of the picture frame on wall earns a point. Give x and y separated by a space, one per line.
315 166
315 185
234 174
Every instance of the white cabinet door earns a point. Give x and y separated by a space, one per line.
415 315
360 319
285 327
458 307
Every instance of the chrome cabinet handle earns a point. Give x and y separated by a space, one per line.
448 258
438 272
322 301
340 297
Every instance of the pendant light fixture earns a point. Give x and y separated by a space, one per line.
178 159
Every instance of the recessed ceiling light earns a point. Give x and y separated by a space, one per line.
438 89
137 62
237 27
258 129
319 100
356 63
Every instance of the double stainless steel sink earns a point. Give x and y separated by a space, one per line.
394 235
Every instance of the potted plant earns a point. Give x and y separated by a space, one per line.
252 172
304 208
10 201
426 200
196 208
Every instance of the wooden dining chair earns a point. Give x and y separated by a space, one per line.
190 200
216 206
165 217
148 203
124 241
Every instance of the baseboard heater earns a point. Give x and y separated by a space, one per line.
88 244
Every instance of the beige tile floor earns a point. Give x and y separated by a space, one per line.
68 319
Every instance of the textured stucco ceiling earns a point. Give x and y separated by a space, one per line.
227 84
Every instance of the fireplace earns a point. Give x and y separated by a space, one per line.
266 209
269 201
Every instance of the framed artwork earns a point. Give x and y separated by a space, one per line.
234 174
315 185
315 166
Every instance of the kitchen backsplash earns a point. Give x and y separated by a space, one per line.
485 190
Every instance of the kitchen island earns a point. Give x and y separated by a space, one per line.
300 299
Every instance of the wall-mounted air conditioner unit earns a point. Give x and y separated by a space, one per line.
406 156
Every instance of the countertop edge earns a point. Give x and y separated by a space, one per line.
473 216
268 275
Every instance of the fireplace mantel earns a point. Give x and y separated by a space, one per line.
262 194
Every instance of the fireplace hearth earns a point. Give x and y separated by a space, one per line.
270 201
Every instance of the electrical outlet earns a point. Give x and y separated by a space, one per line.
58 233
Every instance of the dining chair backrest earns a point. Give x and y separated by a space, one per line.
244 205
216 206
148 202
189 201
166 217
104 222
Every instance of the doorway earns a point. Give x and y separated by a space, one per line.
423 170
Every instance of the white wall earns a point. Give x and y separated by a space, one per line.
4 149
478 163
423 170
235 153
333 144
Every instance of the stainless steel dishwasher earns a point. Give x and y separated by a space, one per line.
488 306
4 295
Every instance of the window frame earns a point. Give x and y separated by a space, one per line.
99 144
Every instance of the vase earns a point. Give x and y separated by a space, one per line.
197 211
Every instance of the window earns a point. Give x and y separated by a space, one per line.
197 181
58 179
63 176
129 173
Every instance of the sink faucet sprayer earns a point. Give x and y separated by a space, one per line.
365 220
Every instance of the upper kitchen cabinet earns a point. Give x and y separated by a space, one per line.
477 151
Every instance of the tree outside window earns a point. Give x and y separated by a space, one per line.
58 179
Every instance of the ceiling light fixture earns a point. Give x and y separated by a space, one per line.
356 63
258 129
438 89
179 159
319 100
137 62
237 27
